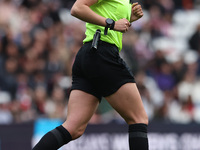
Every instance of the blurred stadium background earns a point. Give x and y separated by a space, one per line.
38 43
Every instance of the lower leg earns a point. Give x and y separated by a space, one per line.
138 139
54 139
81 107
128 103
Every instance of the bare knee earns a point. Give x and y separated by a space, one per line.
141 118
75 131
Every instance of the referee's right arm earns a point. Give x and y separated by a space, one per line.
81 10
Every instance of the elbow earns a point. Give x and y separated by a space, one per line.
74 11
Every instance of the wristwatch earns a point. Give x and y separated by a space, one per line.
109 24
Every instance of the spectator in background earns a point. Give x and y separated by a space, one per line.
178 4
194 40
7 78
182 110
1 57
39 100
55 107
5 115
164 77
188 4
194 43
178 70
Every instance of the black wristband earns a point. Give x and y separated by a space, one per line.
110 23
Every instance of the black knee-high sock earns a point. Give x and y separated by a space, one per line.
138 137
54 139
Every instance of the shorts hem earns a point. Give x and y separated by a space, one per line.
88 92
117 87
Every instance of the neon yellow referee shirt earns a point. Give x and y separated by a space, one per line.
114 9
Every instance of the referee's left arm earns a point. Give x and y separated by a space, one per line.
136 12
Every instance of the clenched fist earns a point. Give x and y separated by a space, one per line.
136 12
122 25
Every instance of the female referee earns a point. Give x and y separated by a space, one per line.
102 73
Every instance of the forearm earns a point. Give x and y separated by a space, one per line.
83 12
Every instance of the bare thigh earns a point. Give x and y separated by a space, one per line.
81 107
127 102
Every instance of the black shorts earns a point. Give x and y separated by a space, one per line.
101 72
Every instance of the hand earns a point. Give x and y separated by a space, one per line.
122 25
136 12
